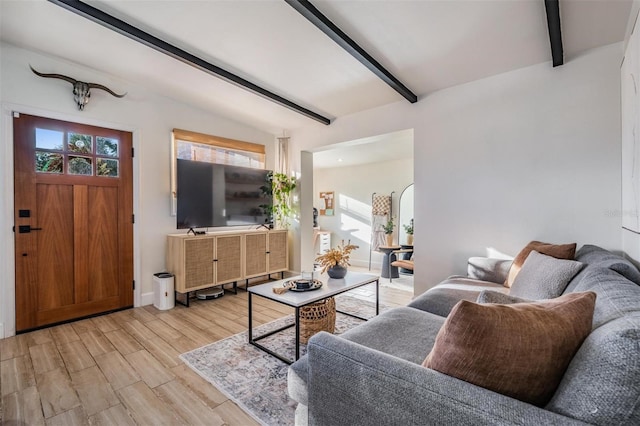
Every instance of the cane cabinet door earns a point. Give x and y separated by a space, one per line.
256 254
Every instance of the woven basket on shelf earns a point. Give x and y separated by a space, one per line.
319 316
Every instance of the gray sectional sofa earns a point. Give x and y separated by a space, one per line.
372 374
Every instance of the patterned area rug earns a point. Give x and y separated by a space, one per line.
255 380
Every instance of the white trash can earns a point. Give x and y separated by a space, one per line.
163 291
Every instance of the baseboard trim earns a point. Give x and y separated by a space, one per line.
375 266
146 299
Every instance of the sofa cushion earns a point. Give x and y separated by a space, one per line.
543 277
519 350
617 296
403 332
297 376
561 251
597 256
490 296
442 298
602 383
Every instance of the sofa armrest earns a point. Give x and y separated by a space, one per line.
488 269
440 300
351 384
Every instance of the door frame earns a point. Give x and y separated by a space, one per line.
7 236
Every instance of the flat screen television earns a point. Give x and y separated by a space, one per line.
211 195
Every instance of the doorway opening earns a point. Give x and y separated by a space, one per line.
351 174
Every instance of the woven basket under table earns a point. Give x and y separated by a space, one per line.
319 316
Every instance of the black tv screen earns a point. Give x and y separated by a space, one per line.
211 195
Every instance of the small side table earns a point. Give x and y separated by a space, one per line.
388 258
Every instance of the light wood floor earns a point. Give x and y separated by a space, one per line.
123 368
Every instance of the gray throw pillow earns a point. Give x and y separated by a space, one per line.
490 296
544 277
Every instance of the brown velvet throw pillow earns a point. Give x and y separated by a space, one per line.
520 350
559 251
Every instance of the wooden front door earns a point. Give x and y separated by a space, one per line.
73 220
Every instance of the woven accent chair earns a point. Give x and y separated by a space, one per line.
401 263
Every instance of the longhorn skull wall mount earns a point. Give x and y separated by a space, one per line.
81 90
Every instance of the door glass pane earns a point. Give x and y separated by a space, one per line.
80 143
80 166
49 139
48 162
106 167
106 146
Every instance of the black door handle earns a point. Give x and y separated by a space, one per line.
25 229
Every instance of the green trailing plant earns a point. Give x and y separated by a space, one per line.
267 191
281 187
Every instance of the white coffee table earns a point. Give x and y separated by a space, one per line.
298 299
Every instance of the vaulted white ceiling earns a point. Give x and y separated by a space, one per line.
428 45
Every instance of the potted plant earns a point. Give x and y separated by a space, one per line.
409 230
335 261
387 228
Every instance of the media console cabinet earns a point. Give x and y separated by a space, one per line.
223 257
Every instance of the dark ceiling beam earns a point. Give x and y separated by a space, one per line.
162 46
555 33
306 9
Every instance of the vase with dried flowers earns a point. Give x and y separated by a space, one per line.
335 261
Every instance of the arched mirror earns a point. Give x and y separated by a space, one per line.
405 215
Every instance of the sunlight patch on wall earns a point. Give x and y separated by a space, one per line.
497 254
355 219
360 232
355 208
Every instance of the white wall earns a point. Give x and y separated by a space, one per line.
630 110
529 154
352 219
148 115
